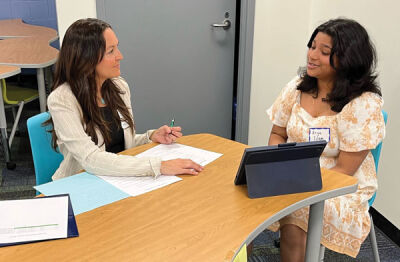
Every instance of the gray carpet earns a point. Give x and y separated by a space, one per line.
17 183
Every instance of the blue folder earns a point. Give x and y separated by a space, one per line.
72 227
86 191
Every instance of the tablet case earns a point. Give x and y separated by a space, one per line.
282 169
72 227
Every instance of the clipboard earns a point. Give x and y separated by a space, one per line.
72 230
282 169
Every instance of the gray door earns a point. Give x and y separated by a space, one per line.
177 65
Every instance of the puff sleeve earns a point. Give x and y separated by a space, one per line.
360 123
280 111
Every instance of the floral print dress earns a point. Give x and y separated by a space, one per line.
359 126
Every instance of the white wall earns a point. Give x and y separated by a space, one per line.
279 48
68 11
280 45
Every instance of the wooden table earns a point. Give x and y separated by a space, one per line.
13 28
5 71
27 46
202 218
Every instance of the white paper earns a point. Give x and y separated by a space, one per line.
135 186
139 185
33 219
173 151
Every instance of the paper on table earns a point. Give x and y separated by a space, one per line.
173 151
135 186
33 219
86 191
139 185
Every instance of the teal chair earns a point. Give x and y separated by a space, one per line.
376 153
45 159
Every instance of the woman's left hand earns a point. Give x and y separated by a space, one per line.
166 134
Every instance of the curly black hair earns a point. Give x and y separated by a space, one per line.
355 67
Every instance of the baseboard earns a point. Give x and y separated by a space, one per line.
385 226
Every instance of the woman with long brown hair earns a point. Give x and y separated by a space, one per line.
91 112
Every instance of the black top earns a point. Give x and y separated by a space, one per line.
117 143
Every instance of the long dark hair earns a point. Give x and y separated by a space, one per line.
82 49
356 62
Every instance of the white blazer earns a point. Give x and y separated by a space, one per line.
78 149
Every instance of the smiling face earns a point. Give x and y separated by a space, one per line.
318 64
109 66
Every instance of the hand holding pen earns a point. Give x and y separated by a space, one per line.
167 134
172 125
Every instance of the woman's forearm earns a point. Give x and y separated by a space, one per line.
275 139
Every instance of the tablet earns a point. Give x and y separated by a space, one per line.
281 169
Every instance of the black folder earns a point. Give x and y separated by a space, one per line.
282 169
72 227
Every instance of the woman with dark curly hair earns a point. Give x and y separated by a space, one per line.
336 99
91 110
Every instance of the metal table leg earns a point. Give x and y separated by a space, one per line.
41 89
314 231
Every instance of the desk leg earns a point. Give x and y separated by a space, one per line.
41 89
314 231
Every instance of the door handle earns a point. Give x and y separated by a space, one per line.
226 24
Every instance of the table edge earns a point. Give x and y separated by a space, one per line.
290 209
11 73
41 65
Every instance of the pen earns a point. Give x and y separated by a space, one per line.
172 124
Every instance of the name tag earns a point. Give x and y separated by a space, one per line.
318 134
124 124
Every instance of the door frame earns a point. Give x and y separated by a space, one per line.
244 54
244 70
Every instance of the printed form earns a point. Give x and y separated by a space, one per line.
33 219
139 185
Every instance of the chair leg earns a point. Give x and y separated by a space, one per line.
14 128
321 253
374 244
14 114
277 242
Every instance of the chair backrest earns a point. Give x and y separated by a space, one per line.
376 153
45 159
4 90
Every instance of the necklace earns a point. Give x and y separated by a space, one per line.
101 100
